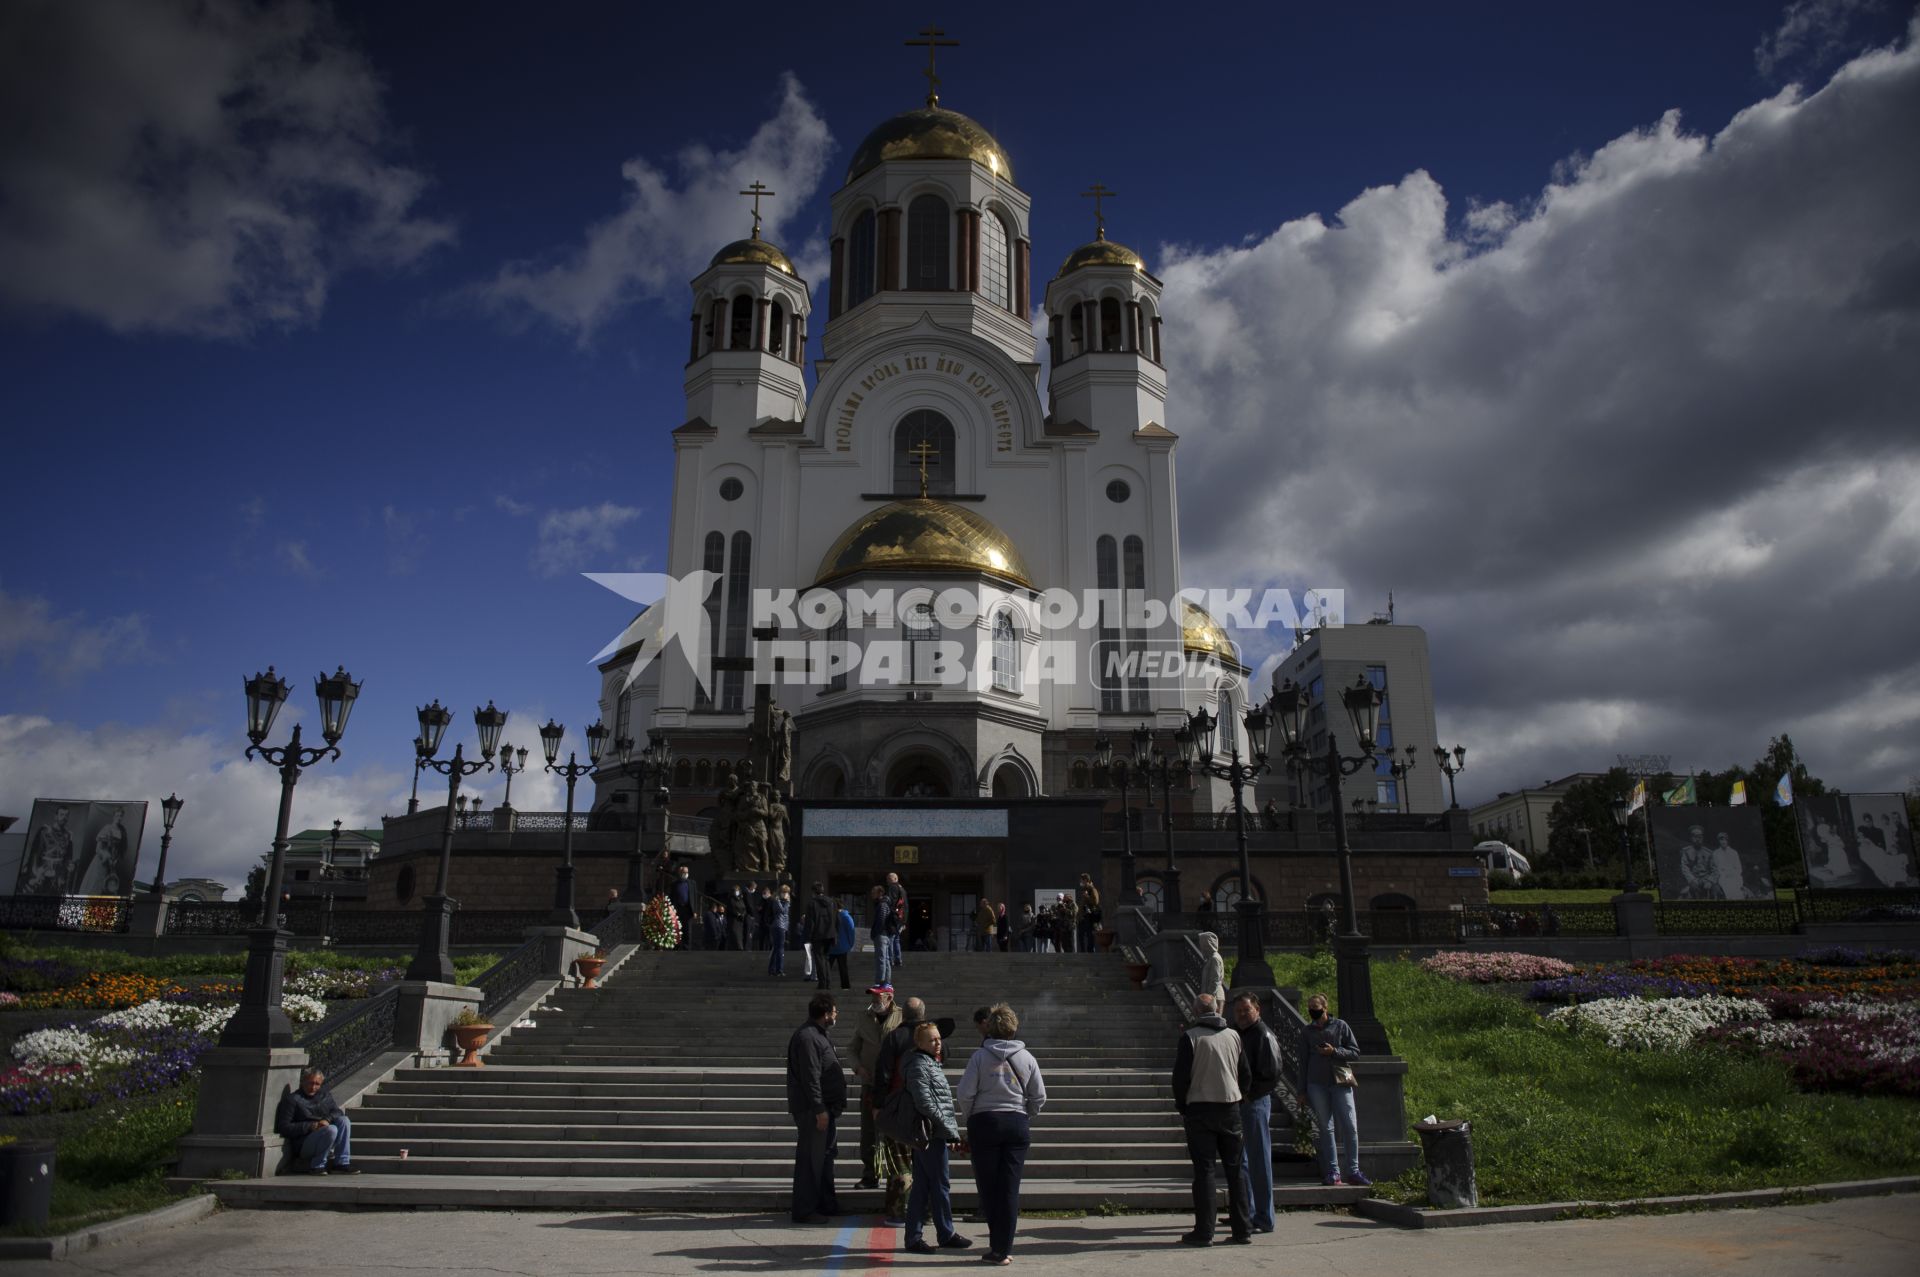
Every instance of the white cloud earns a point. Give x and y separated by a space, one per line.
664 234
65 647
203 168
295 559
512 507
1814 28
570 540
1638 453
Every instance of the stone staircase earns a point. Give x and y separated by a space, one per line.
665 1089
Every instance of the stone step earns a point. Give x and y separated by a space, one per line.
763 1108
667 1055
775 1146
776 1162
478 1111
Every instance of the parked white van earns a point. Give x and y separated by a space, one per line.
1497 855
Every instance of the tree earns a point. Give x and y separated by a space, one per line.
256 884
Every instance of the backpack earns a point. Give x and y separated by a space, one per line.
844 935
900 1122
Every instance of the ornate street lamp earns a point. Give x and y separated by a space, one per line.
1401 772
655 761
1353 966
260 1020
1123 773
1458 765
1623 816
1197 754
1166 770
432 961
421 752
169 812
570 771
508 770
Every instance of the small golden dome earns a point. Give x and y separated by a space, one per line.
920 534
931 133
1103 252
753 252
1199 632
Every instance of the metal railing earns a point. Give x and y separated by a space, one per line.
1815 904
507 977
342 1043
620 926
108 914
1724 917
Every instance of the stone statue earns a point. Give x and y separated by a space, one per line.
776 832
780 746
720 830
1213 976
750 829
873 776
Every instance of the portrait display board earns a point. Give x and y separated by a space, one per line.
81 848
1857 840
1711 853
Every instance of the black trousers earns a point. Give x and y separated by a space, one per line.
813 1192
820 960
1214 1135
1000 1142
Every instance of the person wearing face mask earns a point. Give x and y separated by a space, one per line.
1326 1043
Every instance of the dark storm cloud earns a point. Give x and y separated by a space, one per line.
1642 457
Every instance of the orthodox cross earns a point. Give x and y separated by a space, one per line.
930 40
1098 193
923 450
759 191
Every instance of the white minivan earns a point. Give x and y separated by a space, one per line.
1497 855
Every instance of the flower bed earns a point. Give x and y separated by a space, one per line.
1872 1048
1491 968
1593 986
1866 976
1655 1024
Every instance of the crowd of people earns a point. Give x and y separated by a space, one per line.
911 1121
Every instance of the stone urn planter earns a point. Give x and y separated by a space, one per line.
1137 972
590 967
469 1038
1104 938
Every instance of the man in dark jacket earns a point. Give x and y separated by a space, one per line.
822 922
1262 1052
682 897
311 1120
816 1096
884 928
1210 1075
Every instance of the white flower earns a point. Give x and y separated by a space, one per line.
1658 1024
302 1009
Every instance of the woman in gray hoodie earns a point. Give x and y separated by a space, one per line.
1000 1093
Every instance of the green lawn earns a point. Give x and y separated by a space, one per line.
188 966
1558 1117
109 1161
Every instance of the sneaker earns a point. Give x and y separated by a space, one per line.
919 1247
954 1241
995 1258
1195 1239
1355 1177
314 1170
1240 1239
894 1221
1331 1181
345 1168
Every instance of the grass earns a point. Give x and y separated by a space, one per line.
191 966
1558 1117
111 1161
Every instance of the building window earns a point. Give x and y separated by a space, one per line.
1077 775
740 326
739 575
730 489
836 640
1118 491
1108 655
777 329
923 428
1076 332
922 634
682 773
1006 652
1227 737
1110 338
996 276
929 246
1134 556
714 560
861 259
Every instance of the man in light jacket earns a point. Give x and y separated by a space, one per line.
1210 1075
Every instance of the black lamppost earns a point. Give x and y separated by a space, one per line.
169 812
1623 816
508 770
1401 772
1458 765
656 760
421 752
1121 774
333 850
1253 968
570 771
1353 967
1166 770
432 962
259 1020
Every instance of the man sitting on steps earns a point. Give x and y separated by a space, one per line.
316 1127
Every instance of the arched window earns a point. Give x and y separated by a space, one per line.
861 260
713 559
1107 654
1155 892
1227 893
1077 776
1110 335
1008 782
929 244
739 575
828 782
703 774
836 637
1006 652
740 326
1076 331
1226 739
922 633
1133 553
682 773
777 329
923 427
996 272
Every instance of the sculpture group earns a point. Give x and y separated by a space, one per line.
748 833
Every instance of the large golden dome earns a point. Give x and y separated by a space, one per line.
1199 632
753 252
931 133
920 534
1103 252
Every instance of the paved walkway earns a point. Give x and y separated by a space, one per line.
1861 1238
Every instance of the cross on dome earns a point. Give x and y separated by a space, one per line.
1097 193
758 190
930 39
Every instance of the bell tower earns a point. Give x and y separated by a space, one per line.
746 354
1103 335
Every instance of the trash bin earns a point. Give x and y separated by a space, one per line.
1448 1148
26 1182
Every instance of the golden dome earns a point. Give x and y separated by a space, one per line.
923 535
753 252
1199 632
1103 252
931 133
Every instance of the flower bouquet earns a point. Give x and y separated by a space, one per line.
660 924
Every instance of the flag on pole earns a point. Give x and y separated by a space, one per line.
1739 796
1680 795
1638 798
1783 792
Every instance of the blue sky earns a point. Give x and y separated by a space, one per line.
301 364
